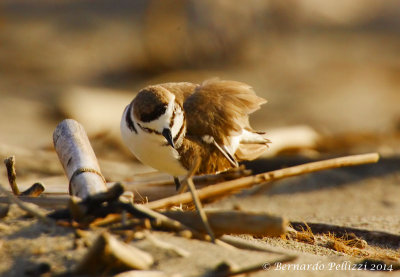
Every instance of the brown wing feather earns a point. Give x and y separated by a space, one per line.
220 109
181 90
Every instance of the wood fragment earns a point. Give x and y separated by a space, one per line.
234 222
110 254
34 191
28 207
78 159
11 174
96 205
225 188
4 209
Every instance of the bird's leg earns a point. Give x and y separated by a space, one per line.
189 180
178 184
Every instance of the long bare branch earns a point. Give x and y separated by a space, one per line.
225 188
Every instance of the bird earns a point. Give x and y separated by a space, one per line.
168 126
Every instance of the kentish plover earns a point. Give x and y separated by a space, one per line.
167 126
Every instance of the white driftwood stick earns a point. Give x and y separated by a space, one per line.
76 155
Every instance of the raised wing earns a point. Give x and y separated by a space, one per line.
220 109
181 90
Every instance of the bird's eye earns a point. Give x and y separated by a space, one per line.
153 114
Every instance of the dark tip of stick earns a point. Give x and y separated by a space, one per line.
108 196
116 190
4 208
34 191
12 176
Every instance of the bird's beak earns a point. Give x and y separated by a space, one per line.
168 136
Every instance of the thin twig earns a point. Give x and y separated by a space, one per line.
224 188
200 209
12 176
26 207
196 199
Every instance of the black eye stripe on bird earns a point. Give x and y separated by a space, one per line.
128 118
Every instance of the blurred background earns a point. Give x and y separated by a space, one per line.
331 66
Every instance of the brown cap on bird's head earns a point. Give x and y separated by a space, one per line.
150 103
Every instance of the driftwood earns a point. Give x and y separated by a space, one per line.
225 188
34 191
78 159
93 205
30 208
234 222
108 253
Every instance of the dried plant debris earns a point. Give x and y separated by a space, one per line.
348 244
